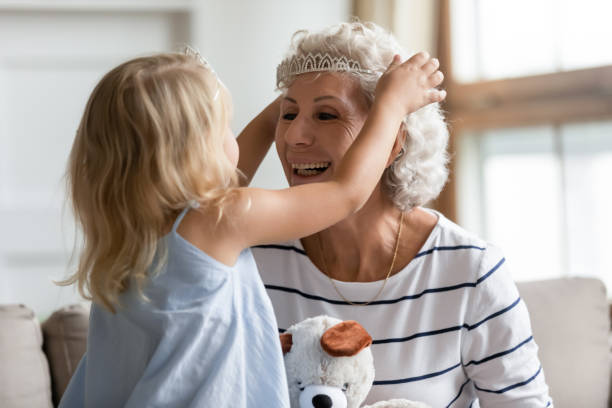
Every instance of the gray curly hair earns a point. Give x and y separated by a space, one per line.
420 171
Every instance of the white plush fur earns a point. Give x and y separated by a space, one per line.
398 403
310 368
308 364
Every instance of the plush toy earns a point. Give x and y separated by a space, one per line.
329 364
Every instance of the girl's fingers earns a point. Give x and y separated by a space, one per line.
431 66
394 62
436 78
418 59
436 95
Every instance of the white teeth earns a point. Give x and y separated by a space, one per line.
302 172
303 166
310 169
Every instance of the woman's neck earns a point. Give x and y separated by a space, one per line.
360 248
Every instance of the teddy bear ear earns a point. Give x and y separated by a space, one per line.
286 340
345 339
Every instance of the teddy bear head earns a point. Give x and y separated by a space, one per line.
329 363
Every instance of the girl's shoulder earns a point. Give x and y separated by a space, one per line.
213 229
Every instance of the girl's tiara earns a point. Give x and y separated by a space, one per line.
194 53
319 62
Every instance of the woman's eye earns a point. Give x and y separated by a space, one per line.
289 116
345 387
326 116
299 384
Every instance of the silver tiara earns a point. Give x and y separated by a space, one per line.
194 53
319 62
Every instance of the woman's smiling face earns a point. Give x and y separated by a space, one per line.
320 116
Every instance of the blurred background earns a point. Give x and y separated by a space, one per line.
530 110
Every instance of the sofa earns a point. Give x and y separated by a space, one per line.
570 319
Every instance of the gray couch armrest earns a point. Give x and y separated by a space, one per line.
571 325
65 334
610 358
24 370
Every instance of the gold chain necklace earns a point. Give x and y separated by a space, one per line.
325 272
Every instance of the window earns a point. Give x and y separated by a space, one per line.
530 109
495 39
543 194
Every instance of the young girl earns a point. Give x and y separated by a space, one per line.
180 317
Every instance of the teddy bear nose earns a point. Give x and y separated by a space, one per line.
322 401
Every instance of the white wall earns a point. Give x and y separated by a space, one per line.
52 52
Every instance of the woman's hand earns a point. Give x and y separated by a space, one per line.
410 85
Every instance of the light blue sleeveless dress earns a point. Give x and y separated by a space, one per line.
207 337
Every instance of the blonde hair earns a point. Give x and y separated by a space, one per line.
150 142
419 173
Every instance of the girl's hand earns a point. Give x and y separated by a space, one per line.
410 85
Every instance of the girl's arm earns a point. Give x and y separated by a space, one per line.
264 216
255 140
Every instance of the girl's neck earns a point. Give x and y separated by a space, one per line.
360 248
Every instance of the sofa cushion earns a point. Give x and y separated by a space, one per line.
65 335
571 325
24 371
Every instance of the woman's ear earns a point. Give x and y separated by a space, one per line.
398 145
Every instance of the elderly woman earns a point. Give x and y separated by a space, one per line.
448 325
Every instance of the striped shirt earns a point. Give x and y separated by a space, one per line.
449 329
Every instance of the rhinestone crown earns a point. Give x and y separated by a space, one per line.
318 62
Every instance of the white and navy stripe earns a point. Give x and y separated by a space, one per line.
450 329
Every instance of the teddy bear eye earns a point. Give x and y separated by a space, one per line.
345 387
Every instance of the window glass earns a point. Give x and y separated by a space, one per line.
543 194
584 30
516 38
587 158
493 39
521 180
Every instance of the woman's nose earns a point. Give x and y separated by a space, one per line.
299 133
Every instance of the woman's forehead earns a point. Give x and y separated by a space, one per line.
316 86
